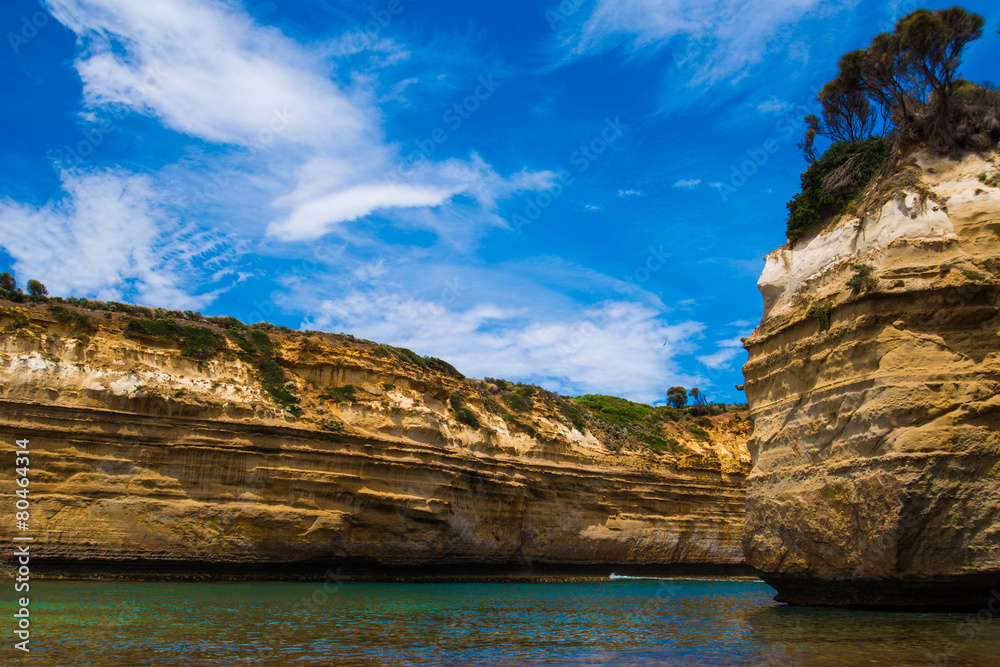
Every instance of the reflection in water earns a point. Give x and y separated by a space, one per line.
622 622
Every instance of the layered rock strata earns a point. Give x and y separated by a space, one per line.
144 462
876 478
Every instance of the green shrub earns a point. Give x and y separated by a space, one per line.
573 414
658 443
704 422
467 416
333 426
200 343
226 322
71 317
342 394
852 165
863 280
388 386
822 315
442 366
20 321
162 328
700 432
972 275
520 399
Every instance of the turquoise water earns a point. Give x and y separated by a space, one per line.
621 622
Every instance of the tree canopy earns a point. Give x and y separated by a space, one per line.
907 83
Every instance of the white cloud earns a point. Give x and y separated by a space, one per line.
773 105
687 184
724 38
629 193
720 359
209 71
593 208
110 235
617 347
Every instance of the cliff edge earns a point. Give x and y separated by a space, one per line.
166 447
873 383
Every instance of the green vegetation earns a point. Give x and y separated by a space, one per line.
901 91
520 400
200 342
333 426
19 321
342 394
863 280
72 318
700 432
822 315
677 396
388 386
972 275
409 356
251 341
36 288
196 342
833 181
659 444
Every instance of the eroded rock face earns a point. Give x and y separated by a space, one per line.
876 478
145 462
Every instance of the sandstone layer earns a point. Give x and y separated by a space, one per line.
876 478
146 462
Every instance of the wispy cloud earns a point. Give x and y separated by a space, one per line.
629 193
209 71
113 233
773 105
719 39
687 184
620 347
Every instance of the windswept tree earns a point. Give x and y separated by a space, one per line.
36 288
905 80
8 282
699 397
677 396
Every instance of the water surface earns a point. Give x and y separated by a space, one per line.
619 622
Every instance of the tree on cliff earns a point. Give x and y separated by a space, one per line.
904 90
677 396
8 282
906 82
36 288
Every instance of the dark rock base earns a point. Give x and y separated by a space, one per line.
971 593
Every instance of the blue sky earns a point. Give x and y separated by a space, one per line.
575 194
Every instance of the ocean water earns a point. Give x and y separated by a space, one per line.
615 622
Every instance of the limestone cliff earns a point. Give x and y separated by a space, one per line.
145 460
876 478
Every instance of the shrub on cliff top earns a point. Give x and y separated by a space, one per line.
830 183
